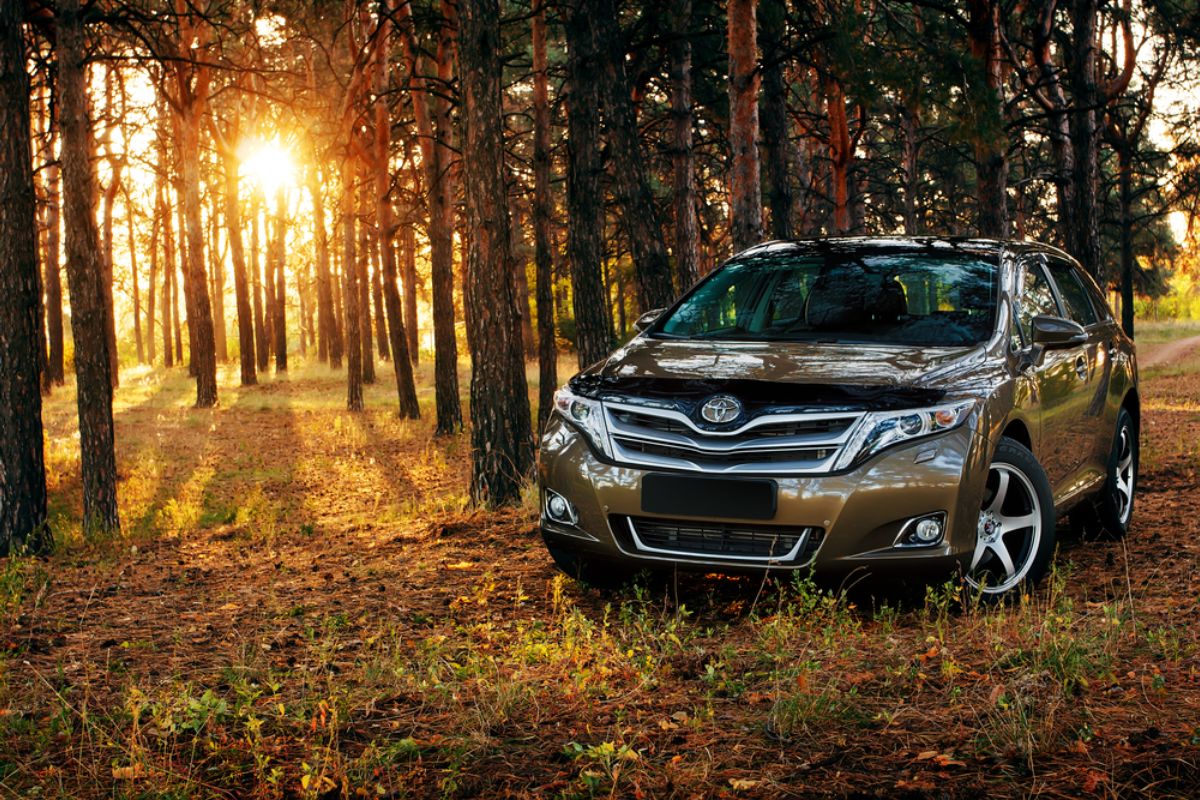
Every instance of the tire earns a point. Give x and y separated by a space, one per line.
1015 533
1114 503
599 574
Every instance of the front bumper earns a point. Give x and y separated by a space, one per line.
854 517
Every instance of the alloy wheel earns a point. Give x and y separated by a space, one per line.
1009 532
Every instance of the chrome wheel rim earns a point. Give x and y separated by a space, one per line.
1009 531
1123 480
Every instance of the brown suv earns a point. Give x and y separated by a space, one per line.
905 406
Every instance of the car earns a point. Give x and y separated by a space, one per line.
907 407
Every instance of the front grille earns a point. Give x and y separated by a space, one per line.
773 443
789 545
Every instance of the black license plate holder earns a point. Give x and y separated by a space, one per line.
714 498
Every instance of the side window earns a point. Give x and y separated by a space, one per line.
1070 287
1099 301
1037 299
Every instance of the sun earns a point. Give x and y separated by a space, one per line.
268 164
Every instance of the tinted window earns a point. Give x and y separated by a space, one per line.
1074 296
927 299
1037 299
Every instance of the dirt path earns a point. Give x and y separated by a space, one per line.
1157 355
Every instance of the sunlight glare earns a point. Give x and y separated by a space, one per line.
268 165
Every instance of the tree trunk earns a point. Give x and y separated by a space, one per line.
262 338
773 113
408 275
110 195
1125 194
585 197
990 144
133 276
745 188
354 390
52 284
841 153
439 197
909 150
363 266
652 267
85 278
542 205
276 268
22 464
1084 233
406 390
381 328
241 288
200 321
325 348
521 278
217 261
151 297
168 304
501 439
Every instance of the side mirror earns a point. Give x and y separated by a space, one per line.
647 319
1055 332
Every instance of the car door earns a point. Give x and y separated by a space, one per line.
1091 364
1053 374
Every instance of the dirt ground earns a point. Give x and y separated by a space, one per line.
303 605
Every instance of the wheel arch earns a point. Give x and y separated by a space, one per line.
1017 430
1132 403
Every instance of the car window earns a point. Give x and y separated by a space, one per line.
923 298
1099 301
1070 287
1037 299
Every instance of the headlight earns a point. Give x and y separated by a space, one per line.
585 414
882 429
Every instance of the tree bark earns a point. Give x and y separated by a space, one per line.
683 169
276 267
354 390
1083 235
745 188
325 331
52 283
773 116
363 278
85 278
406 390
639 215
262 311
408 275
241 288
439 200
585 198
151 296
542 213
990 144
501 439
116 166
200 320
133 279
168 271
22 464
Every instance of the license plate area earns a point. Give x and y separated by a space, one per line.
713 498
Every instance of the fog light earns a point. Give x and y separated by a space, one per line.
928 531
924 531
559 509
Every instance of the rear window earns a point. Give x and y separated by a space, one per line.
926 299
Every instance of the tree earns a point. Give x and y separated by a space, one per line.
500 427
639 215
406 389
439 196
52 281
85 279
585 200
22 466
773 115
542 203
745 188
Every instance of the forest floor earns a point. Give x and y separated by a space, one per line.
303 605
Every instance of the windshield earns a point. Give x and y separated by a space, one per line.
924 299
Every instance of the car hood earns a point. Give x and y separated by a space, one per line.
799 373
786 362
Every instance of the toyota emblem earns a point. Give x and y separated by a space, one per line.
721 409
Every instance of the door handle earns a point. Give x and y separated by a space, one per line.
1081 368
